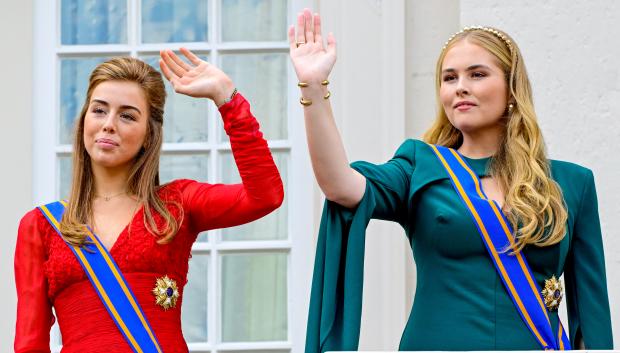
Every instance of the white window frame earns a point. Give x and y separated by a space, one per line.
299 245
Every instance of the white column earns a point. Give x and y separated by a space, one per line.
15 146
368 95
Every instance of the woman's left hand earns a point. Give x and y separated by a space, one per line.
198 79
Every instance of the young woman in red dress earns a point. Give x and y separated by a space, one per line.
147 228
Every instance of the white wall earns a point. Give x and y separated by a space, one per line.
15 146
573 59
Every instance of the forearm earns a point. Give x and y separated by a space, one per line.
259 174
338 181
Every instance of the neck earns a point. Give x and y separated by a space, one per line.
110 181
481 144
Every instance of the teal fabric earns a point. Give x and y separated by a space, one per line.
460 302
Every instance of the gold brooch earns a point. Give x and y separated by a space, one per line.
166 292
552 293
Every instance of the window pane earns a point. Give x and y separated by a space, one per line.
183 166
195 294
263 20
93 21
165 21
64 176
74 73
271 227
261 78
185 118
254 298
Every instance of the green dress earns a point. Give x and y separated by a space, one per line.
460 302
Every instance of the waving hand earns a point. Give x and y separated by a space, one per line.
196 79
312 60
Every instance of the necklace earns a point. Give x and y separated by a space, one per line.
107 198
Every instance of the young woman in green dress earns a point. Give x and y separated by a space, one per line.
485 112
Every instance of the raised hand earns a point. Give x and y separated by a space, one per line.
198 79
311 59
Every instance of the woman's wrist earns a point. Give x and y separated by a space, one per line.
225 94
313 92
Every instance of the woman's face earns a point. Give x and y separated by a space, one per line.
115 125
473 91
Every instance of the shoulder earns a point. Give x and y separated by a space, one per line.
414 149
574 181
418 153
569 168
570 175
32 218
32 227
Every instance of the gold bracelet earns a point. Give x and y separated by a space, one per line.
326 96
306 84
305 102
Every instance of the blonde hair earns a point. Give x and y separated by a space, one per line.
534 204
143 180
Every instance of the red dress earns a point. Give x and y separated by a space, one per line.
47 274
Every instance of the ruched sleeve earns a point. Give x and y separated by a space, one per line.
34 310
586 284
213 206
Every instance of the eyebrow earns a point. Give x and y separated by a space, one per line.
122 106
470 68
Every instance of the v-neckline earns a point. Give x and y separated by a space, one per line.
121 233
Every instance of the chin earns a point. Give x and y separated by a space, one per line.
471 124
109 161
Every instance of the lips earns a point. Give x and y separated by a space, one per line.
106 142
464 104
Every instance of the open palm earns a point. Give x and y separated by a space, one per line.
311 59
198 79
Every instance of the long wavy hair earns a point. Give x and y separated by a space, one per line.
534 203
143 181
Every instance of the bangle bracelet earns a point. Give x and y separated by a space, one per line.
227 100
305 102
306 84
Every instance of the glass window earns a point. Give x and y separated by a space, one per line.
93 22
262 79
168 21
271 227
185 118
238 292
254 297
261 20
195 300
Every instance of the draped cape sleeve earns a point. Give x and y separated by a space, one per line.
336 294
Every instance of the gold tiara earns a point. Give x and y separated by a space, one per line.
493 31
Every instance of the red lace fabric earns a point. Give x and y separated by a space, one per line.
47 274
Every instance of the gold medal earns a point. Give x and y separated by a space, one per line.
552 293
166 292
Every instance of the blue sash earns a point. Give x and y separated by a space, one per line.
496 234
110 285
